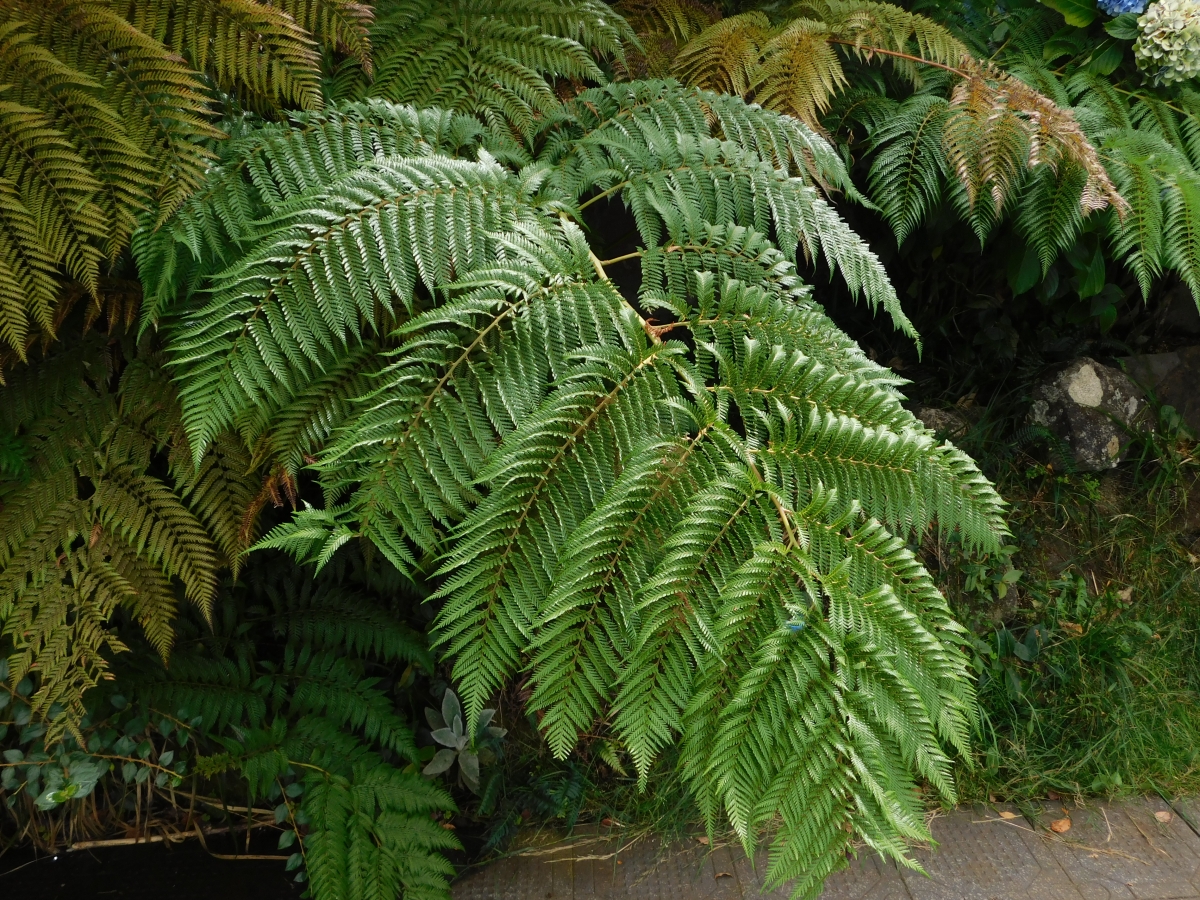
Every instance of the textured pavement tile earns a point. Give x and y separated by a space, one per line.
1112 852
508 879
1189 807
866 878
983 857
1123 849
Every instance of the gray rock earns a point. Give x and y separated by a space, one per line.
1090 407
1173 378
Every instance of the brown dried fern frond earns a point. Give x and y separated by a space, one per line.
801 72
999 126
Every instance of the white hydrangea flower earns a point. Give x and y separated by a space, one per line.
1169 44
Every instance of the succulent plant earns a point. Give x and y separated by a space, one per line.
449 730
1169 44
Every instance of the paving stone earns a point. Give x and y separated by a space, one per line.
982 856
868 877
1189 810
1112 852
1124 849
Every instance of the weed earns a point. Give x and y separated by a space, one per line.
1088 667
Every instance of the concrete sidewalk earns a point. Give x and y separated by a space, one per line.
1138 850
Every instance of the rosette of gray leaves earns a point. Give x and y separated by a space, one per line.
449 730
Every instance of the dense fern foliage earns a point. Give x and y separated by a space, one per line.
502 59
105 110
1147 138
682 508
293 693
102 510
1000 112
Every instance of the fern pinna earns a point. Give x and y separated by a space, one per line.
683 510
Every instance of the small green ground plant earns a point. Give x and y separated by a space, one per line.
1088 665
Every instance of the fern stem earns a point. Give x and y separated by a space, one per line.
598 264
780 510
612 190
617 259
292 818
896 53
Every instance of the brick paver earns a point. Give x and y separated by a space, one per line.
1138 850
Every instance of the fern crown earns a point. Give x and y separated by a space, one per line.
681 507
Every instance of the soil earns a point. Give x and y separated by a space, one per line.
160 871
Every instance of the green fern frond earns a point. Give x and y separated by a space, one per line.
324 684
498 59
662 27
326 617
372 836
592 473
1135 160
908 169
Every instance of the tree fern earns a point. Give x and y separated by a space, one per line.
989 134
666 505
